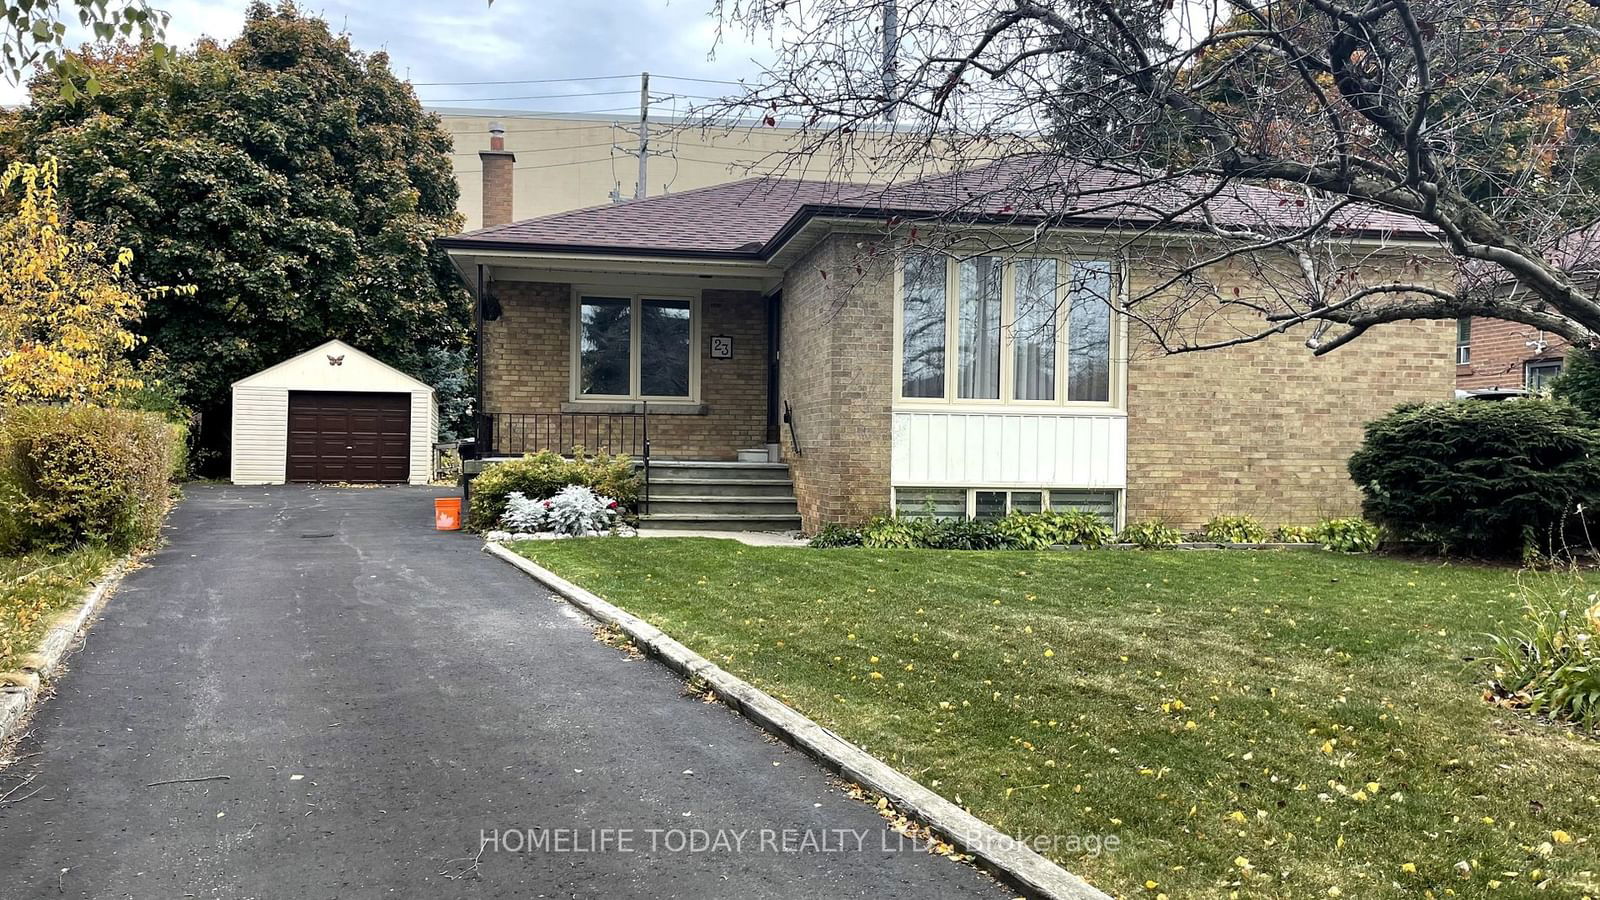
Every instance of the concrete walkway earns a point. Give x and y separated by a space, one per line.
381 698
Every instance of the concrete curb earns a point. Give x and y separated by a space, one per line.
16 701
999 853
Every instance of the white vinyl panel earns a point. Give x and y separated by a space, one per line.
1119 453
954 443
987 447
900 449
930 450
1030 465
260 433
1014 458
1025 449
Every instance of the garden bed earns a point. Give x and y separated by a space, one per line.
1276 724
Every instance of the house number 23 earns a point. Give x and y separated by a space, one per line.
722 347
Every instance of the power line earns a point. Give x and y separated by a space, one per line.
527 97
521 81
575 162
566 80
543 149
552 113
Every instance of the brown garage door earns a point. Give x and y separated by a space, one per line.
339 436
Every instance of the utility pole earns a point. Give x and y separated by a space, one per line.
642 189
891 58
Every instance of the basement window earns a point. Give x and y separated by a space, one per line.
996 503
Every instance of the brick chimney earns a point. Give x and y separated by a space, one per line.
496 177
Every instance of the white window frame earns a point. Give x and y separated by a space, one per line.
1464 348
635 347
1115 396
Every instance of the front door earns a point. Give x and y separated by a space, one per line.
349 436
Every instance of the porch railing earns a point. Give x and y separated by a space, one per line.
515 434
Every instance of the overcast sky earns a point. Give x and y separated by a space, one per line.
468 40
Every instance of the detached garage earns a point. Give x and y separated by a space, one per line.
333 413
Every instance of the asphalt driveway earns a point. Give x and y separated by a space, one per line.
383 698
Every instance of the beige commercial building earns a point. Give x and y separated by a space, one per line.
566 161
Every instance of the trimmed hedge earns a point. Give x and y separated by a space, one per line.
1495 479
539 476
83 474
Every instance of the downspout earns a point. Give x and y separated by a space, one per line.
481 416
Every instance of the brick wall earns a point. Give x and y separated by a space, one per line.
528 365
497 186
1266 429
837 347
1500 350
1263 429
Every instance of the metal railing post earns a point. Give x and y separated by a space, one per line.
645 407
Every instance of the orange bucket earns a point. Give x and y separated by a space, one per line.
447 513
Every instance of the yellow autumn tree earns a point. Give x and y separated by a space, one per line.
66 301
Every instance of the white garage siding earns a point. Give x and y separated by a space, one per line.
260 434
260 424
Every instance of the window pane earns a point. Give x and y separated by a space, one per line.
1101 503
1026 501
944 503
605 337
1464 330
664 348
1034 332
978 377
922 369
990 505
1089 332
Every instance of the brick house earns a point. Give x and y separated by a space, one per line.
854 368
1496 356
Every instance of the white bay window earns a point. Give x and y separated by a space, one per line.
1034 330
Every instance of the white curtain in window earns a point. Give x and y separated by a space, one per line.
1033 334
978 329
1089 332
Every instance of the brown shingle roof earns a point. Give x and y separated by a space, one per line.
748 219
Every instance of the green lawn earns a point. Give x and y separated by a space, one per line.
34 588
1265 724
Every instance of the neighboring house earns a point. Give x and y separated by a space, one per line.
806 321
1494 356
562 161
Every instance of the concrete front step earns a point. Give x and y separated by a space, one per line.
690 468
720 506
664 487
719 522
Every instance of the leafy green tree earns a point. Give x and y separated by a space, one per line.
33 34
294 181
